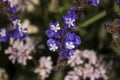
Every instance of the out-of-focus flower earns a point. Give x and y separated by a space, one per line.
72 76
75 59
21 5
30 5
20 51
90 55
87 65
17 32
118 2
31 28
3 35
44 68
114 29
3 74
85 3
94 2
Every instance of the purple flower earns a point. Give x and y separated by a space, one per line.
71 41
5 1
54 30
70 21
60 39
55 26
3 35
52 44
12 9
19 33
118 3
65 53
76 10
118 35
94 2
51 33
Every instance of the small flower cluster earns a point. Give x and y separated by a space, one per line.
85 3
86 65
17 32
44 68
114 29
20 51
61 40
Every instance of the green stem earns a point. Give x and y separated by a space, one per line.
93 19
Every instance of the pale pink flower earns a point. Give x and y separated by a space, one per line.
93 68
72 76
20 51
44 68
79 70
75 59
90 55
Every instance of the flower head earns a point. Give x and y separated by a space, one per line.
70 21
53 45
87 65
20 53
44 68
71 41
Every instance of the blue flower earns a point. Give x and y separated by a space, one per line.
54 30
65 53
60 39
16 22
12 9
70 21
55 26
94 2
3 35
50 33
77 11
19 33
71 41
52 44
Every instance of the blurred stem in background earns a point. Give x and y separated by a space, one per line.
92 20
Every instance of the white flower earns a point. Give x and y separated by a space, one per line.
3 32
55 28
87 65
17 22
78 71
75 59
44 68
19 51
70 22
31 28
72 76
53 47
69 45
90 55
